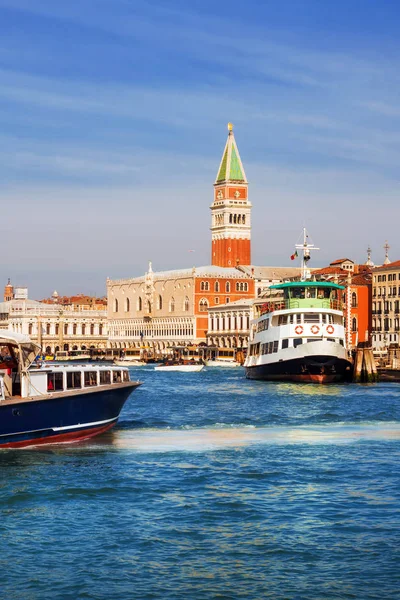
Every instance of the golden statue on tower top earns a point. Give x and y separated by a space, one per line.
230 126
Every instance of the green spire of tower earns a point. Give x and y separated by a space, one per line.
231 168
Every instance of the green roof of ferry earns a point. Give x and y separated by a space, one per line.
322 284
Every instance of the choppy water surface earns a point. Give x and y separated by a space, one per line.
212 486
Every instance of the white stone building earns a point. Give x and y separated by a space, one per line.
55 327
229 324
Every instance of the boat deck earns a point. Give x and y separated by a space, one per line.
68 393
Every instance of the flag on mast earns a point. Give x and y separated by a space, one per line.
293 256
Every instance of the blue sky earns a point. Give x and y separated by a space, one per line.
113 120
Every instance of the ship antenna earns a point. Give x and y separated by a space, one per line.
305 247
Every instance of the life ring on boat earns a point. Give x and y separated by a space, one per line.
330 329
298 329
315 329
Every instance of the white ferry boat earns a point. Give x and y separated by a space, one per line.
301 335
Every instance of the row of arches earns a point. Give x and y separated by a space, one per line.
68 329
146 304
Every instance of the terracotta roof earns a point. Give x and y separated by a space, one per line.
362 279
392 265
341 260
331 271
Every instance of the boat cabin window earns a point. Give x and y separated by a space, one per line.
285 344
263 325
90 378
311 317
330 339
105 377
315 339
297 342
254 349
117 377
125 375
7 361
74 380
55 382
282 320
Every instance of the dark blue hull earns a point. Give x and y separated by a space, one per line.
61 417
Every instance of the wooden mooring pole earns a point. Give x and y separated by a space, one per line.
365 370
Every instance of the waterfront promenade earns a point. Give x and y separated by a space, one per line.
213 486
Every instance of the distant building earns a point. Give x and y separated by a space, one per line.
170 308
229 324
264 277
55 327
386 306
343 263
357 298
163 309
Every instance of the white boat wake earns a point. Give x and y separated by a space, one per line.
218 438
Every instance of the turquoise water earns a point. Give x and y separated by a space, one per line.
212 486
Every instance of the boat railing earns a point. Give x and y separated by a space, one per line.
292 303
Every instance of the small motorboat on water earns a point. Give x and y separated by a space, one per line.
127 362
216 362
176 366
51 403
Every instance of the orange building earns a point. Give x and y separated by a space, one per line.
8 291
212 291
357 298
231 210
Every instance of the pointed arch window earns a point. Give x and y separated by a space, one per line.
159 302
127 305
354 324
227 287
204 286
116 305
203 305
172 305
30 328
216 286
139 303
354 300
186 304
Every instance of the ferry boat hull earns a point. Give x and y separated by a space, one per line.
307 369
61 417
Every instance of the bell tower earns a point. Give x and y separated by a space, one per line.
231 210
